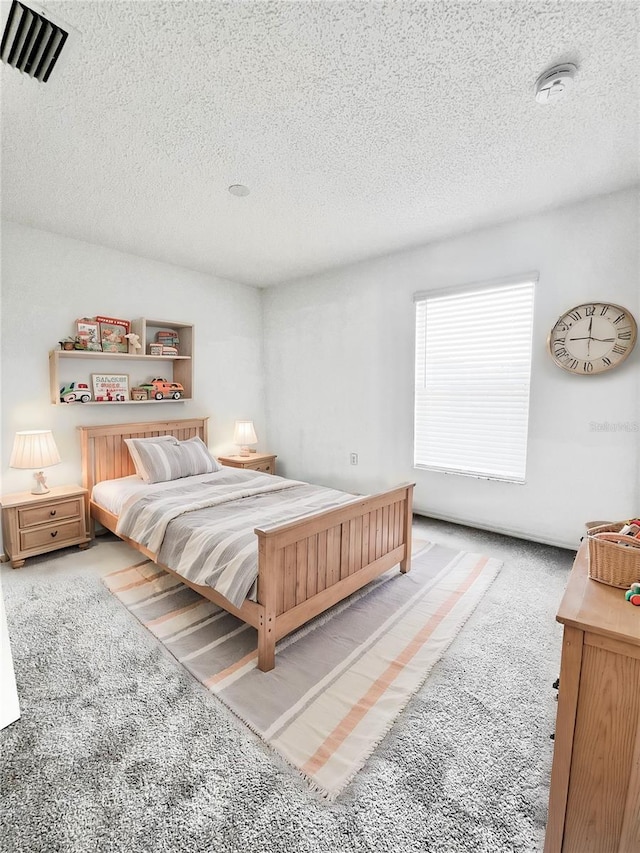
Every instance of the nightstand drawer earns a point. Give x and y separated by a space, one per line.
267 467
58 511
51 534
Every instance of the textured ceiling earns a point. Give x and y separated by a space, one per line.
360 128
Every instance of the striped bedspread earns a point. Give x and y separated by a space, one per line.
204 531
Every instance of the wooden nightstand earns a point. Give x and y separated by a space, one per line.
35 524
256 462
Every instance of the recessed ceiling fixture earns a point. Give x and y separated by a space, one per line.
238 189
32 41
553 84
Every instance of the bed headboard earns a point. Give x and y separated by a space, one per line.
105 456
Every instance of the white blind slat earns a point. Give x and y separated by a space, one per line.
472 375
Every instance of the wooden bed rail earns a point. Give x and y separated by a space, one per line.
308 565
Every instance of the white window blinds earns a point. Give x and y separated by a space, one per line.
473 368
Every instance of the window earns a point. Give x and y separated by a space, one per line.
473 367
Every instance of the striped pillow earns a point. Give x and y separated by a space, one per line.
163 461
134 443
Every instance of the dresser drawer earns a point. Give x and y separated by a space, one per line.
52 534
45 513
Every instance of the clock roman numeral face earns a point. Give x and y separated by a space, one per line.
592 338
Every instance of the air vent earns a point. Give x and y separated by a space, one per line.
31 41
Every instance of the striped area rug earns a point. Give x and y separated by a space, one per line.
340 681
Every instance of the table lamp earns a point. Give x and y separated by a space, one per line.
35 448
243 435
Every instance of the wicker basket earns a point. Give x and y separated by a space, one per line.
613 562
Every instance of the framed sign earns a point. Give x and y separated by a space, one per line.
110 388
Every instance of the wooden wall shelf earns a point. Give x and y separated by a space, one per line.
141 367
77 353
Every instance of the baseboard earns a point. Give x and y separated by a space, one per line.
505 531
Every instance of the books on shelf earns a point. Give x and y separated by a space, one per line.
112 334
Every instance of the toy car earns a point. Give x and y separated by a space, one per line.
162 389
75 392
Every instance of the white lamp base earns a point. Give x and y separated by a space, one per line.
40 487
244 451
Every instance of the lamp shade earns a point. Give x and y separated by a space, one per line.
243 435
34 448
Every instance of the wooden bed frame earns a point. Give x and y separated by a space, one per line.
304 566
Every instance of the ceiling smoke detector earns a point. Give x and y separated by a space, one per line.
554 83
32 41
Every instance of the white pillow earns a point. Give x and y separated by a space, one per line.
163 461
134 443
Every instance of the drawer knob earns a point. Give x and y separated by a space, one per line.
54 534
53 512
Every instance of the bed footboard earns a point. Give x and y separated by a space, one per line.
306 566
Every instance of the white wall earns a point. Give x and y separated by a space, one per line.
339 352
49 281
339 362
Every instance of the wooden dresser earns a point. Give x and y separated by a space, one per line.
594 802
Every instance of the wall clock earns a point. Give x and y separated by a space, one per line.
592 337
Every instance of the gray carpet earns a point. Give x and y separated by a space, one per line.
119 749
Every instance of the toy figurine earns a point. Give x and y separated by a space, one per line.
40 480
633 594
134 342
